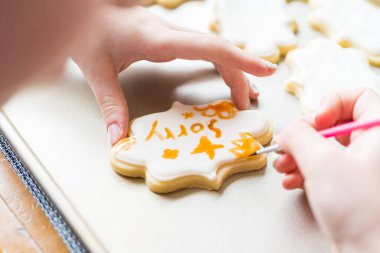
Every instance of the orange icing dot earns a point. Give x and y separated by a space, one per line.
187 115
206 146
217 131
170 153
154 131
223 109
196 127
169 134
125 144
183 131
245 146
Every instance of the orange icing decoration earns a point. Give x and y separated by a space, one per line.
197 127
217 131
169 134
125 144
187 115
206 146
244 146
154 131
183 131
170 153
222 109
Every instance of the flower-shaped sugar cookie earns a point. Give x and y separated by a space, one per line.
352 23
260 27
324 67
169 4
184 15
192 146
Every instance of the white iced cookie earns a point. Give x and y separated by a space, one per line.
377 2
169 4
260 27
352 23
192 146
184 15
324 67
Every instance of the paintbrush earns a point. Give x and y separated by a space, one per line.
339 130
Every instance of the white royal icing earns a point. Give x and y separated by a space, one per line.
261 26
149 153
195 15
353 21
324 67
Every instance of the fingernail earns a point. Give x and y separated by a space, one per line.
114 132
245 104
248 102
253 86
270 65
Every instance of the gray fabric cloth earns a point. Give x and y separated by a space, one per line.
68 236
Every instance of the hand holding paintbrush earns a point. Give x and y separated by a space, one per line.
339 130
342 185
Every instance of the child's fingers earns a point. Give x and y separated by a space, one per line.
309 149
198 46
285 164
238 84
293 180
111 100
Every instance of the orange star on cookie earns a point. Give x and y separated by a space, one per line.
206 146
187 115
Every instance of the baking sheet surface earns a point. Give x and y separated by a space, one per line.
63 127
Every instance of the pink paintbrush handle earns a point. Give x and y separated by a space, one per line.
345 129
331 132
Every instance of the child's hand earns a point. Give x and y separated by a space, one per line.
342 184
132 34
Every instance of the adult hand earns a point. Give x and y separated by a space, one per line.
342 184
